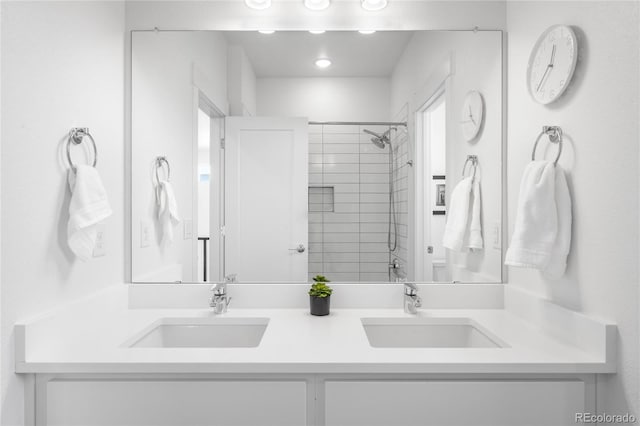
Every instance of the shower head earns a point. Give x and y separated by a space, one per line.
379 140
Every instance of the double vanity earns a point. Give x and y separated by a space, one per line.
184 364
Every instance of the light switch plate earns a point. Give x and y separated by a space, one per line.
145 234
188 229
100 247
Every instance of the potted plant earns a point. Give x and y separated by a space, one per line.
320 296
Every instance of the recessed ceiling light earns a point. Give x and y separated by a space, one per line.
317 4
317 31
323 63
366 32
258 4
374 4
266 31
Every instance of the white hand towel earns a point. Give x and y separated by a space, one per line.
475 225
167 212
458 215
560 250
88 207
542 233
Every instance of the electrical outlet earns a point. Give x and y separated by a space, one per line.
188 229
145 234
100 248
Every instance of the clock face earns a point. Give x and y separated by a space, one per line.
552 62
471 115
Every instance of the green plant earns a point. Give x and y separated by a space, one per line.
320 288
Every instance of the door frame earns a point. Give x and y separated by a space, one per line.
437 85
216 212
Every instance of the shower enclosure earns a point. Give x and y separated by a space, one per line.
358 201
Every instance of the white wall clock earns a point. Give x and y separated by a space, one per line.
472 115
552 63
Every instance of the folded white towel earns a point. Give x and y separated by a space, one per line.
167 211
542 233
88 207
458 215
475 226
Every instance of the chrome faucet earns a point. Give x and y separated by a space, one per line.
411 299
220 300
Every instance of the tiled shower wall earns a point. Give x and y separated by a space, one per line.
348 204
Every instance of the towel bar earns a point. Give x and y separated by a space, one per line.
76 136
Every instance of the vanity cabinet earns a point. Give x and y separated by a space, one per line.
171 402
313 400
453 402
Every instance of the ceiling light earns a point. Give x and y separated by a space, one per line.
266 31
317 31
366 32
317 4
323 63
374 4
258 4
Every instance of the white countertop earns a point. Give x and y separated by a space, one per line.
90 341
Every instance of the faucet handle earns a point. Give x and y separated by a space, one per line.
410 289
219 287
231 278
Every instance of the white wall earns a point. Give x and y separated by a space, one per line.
599 117
62 66
325 99
166 67
476 65
241 83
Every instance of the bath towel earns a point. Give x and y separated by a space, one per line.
458 215
167 211
88 207
542 234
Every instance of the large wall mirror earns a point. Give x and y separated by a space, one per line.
275 157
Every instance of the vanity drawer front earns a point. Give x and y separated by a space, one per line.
453 402
175 403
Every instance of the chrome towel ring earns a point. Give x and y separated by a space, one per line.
555 136
160 162
76 136
473 159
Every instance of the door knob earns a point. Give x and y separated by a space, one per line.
299 249
430 249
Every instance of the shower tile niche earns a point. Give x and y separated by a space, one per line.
348 204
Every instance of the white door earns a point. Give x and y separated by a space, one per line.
266 217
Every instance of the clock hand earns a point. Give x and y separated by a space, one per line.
549 68
544 77
471 116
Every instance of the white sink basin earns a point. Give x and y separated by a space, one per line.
201 333
427 333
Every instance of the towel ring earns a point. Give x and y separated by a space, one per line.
160 161
474 163
555 136
76 136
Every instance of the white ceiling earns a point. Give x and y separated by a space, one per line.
293 53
